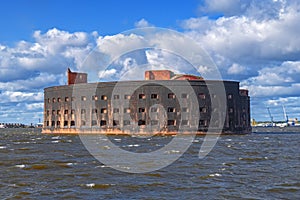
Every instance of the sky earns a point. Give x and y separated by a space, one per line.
254 42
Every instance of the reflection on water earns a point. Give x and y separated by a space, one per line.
256 166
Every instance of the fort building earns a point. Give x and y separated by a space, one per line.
148 105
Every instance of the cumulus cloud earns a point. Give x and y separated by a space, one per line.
142 24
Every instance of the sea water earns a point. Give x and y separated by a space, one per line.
254 166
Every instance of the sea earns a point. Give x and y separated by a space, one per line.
253 166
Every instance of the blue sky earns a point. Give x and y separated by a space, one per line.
254 42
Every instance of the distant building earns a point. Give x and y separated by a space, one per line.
97 108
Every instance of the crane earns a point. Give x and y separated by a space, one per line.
270 116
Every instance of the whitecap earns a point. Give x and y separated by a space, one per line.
20 166
3 147
216 174
90 185
55 141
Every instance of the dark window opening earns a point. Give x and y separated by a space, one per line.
58 123
171 96
66 112
65 123
154 96
83 98
72 123
141 110
203 110
52 123
95 98
126 110
116 123
103 123
171 109
67 99
126 96
202 96
141 122
94 110
103 110
142 96
103 97
82 123
116 96
58 99
171 122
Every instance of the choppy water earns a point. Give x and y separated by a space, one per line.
255 166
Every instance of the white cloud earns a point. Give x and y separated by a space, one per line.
142 24
107 74
236 69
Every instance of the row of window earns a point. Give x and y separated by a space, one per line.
140 96
125 123
126 110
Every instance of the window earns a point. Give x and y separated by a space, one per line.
154 109
53 100
171 122
58 99
103 110
202 96
104 97
116 123
94 122
229 96
58 123
72 111
66 123
94 111
126 110
48 100
82 123
103 123
203 110
184 96
171 109
83 98
95 98
83 111
48 112
67 99
202 122
126 96
154 96
141 122
171 96
73 98
53 112
52 123
141 110
66 112
72 123
58 112
116 96
47 123
230 110
116 110
142 96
